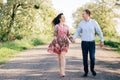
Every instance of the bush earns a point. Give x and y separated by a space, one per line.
37 42
112 44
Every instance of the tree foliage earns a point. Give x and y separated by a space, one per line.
102 14
24 18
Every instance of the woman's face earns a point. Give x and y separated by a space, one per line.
62 19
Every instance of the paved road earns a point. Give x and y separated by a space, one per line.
37 64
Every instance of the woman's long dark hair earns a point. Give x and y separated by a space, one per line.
56 20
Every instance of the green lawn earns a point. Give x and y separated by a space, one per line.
10 49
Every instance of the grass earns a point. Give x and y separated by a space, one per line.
11 48
113 42
5 54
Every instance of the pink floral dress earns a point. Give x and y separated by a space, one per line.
61 43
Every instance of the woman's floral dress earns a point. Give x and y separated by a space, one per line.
60 42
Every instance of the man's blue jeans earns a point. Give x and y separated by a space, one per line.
88 47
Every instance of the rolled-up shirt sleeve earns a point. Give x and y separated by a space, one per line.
78 31
99 31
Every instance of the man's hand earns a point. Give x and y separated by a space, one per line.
101 44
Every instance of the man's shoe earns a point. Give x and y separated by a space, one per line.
85 75
94 73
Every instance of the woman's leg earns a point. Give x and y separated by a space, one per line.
59 62
62 63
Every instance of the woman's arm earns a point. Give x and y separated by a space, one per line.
55 32
70 37
55 37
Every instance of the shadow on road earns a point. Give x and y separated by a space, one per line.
43 66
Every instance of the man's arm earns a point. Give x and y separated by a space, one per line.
78 31
99 31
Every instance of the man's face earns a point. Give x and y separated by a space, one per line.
85 15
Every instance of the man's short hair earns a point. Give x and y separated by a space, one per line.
87 12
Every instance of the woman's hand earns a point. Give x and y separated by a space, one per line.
57 45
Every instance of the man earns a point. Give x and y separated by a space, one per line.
88 27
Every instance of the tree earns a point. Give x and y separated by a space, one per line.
23 18
110 3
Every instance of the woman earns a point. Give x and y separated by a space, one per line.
60 43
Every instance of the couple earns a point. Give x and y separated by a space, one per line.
87 28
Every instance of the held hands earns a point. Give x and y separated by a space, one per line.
73 41
55 38
101 44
